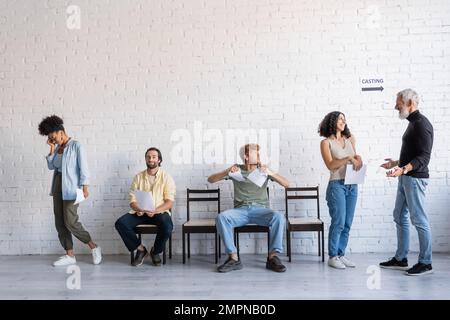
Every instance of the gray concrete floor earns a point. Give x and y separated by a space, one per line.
33 277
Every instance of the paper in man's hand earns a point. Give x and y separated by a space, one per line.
236 176
257 177
144 200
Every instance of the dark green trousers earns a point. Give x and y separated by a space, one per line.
66 218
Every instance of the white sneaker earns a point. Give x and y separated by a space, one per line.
336 263
97 255
64 261
346 262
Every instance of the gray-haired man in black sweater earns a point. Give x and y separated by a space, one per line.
412 170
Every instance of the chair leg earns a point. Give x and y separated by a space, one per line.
132 256
220 245
237 243
189 245
215 247
170 247
184 246
287 242
164 255
323 247
288 233
268 243
318 237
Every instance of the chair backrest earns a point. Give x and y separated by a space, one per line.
202 198
297 193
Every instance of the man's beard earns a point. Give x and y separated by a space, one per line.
152 166
403 114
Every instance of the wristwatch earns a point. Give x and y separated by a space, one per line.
405 171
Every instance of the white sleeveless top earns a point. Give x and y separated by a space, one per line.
339 152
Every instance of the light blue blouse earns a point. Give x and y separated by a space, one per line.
74 169
57 162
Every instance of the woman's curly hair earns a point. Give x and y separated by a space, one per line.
327 127
50 124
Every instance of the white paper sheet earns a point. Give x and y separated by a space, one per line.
257 177
144 200
80 197
236 176
355 177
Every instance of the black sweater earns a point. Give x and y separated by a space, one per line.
417 142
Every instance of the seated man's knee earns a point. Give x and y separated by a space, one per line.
120 223
221 217
278 216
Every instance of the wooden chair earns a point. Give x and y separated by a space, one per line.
299 224
202 225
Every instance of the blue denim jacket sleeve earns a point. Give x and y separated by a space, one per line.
82 166
50 161
50 158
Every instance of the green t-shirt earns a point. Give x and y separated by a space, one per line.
248 193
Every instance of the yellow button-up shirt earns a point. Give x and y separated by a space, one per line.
162 189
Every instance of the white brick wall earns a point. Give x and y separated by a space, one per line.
138 70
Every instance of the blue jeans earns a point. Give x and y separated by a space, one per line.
341 200
411 198
125 226
230 219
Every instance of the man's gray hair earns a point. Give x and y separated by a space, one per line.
407 95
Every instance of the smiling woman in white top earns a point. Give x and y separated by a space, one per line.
68 161
338 150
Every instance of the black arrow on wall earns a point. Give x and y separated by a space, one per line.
373 89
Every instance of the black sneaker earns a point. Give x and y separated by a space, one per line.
139 257
420 269
156 259
275 264
230 265
395 264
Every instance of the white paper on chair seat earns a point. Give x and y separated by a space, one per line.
144 200
236 176
355 177
80 197
257 177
